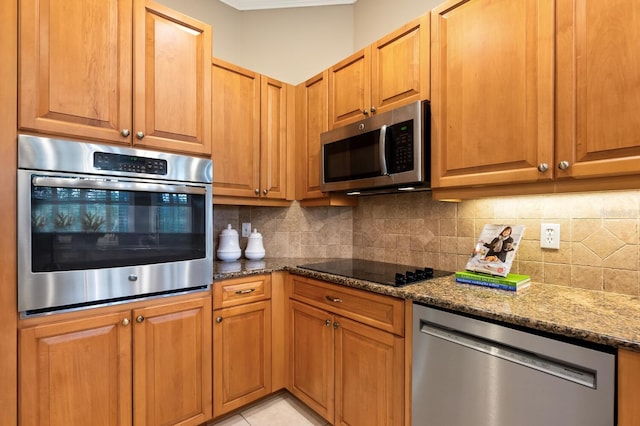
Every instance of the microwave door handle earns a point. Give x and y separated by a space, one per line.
115 185
382 150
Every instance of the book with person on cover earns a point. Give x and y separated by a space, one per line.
512 282
495 249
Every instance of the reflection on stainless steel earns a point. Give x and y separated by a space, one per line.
80 267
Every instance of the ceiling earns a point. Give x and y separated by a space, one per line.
279 4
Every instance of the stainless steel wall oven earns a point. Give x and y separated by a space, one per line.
103 224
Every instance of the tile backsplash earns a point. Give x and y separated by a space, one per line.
599 233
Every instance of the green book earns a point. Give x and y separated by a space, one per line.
510 282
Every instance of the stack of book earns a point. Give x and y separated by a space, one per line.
511 282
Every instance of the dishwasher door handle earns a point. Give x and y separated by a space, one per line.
556 368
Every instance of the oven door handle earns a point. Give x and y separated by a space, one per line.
115 185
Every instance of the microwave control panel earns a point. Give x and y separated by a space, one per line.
401 155
129 163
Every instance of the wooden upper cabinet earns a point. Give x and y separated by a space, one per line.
273 138
598 92
172 86
252 118
350 89
75 68
628 387
389 73
77 59
311 120
76 372
400 66
492 92
236 130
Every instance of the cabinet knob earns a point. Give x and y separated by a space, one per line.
373 110
543 167
327 323
336 325
265 191
139 318
365 112
125 321
563 165
257 191
125 132
218 320
140 135
333 299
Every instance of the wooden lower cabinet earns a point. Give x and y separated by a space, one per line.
628 388
242 336
349 372
147 366
242 355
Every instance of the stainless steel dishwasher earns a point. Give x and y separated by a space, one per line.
469 372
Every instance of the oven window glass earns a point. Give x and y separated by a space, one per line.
75 229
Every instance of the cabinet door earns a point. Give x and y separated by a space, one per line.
75 68
76 372
492 91
628 388
311 357
236 130
598 95
172 363
242 355
350 89
369 375
400 66
273 138
172 81
312 119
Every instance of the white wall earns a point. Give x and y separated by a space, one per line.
294 44
375 18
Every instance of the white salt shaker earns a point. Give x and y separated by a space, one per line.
255 248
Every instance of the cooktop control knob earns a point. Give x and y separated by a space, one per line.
411 277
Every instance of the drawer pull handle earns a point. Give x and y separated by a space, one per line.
247 291
333 299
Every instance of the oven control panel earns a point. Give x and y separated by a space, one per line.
129 163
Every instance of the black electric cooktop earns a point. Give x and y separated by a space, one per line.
392 274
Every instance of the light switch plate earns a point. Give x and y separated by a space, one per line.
550 236
246 229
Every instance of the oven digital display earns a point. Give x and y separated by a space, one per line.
129 163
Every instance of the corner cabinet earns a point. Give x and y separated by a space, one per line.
241 342
252 118
149 365
347 353
139 74
312 104
532 93
391 72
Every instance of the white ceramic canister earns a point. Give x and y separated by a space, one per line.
255 248
229 245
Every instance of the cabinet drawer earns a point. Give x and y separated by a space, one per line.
383 312
241 290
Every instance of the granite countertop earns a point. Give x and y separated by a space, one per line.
599 317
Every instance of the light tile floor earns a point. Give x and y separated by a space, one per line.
281 409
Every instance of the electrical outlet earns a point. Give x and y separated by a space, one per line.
550 236
246 229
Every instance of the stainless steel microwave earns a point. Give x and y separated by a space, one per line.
387 152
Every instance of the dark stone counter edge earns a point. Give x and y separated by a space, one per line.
584 334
